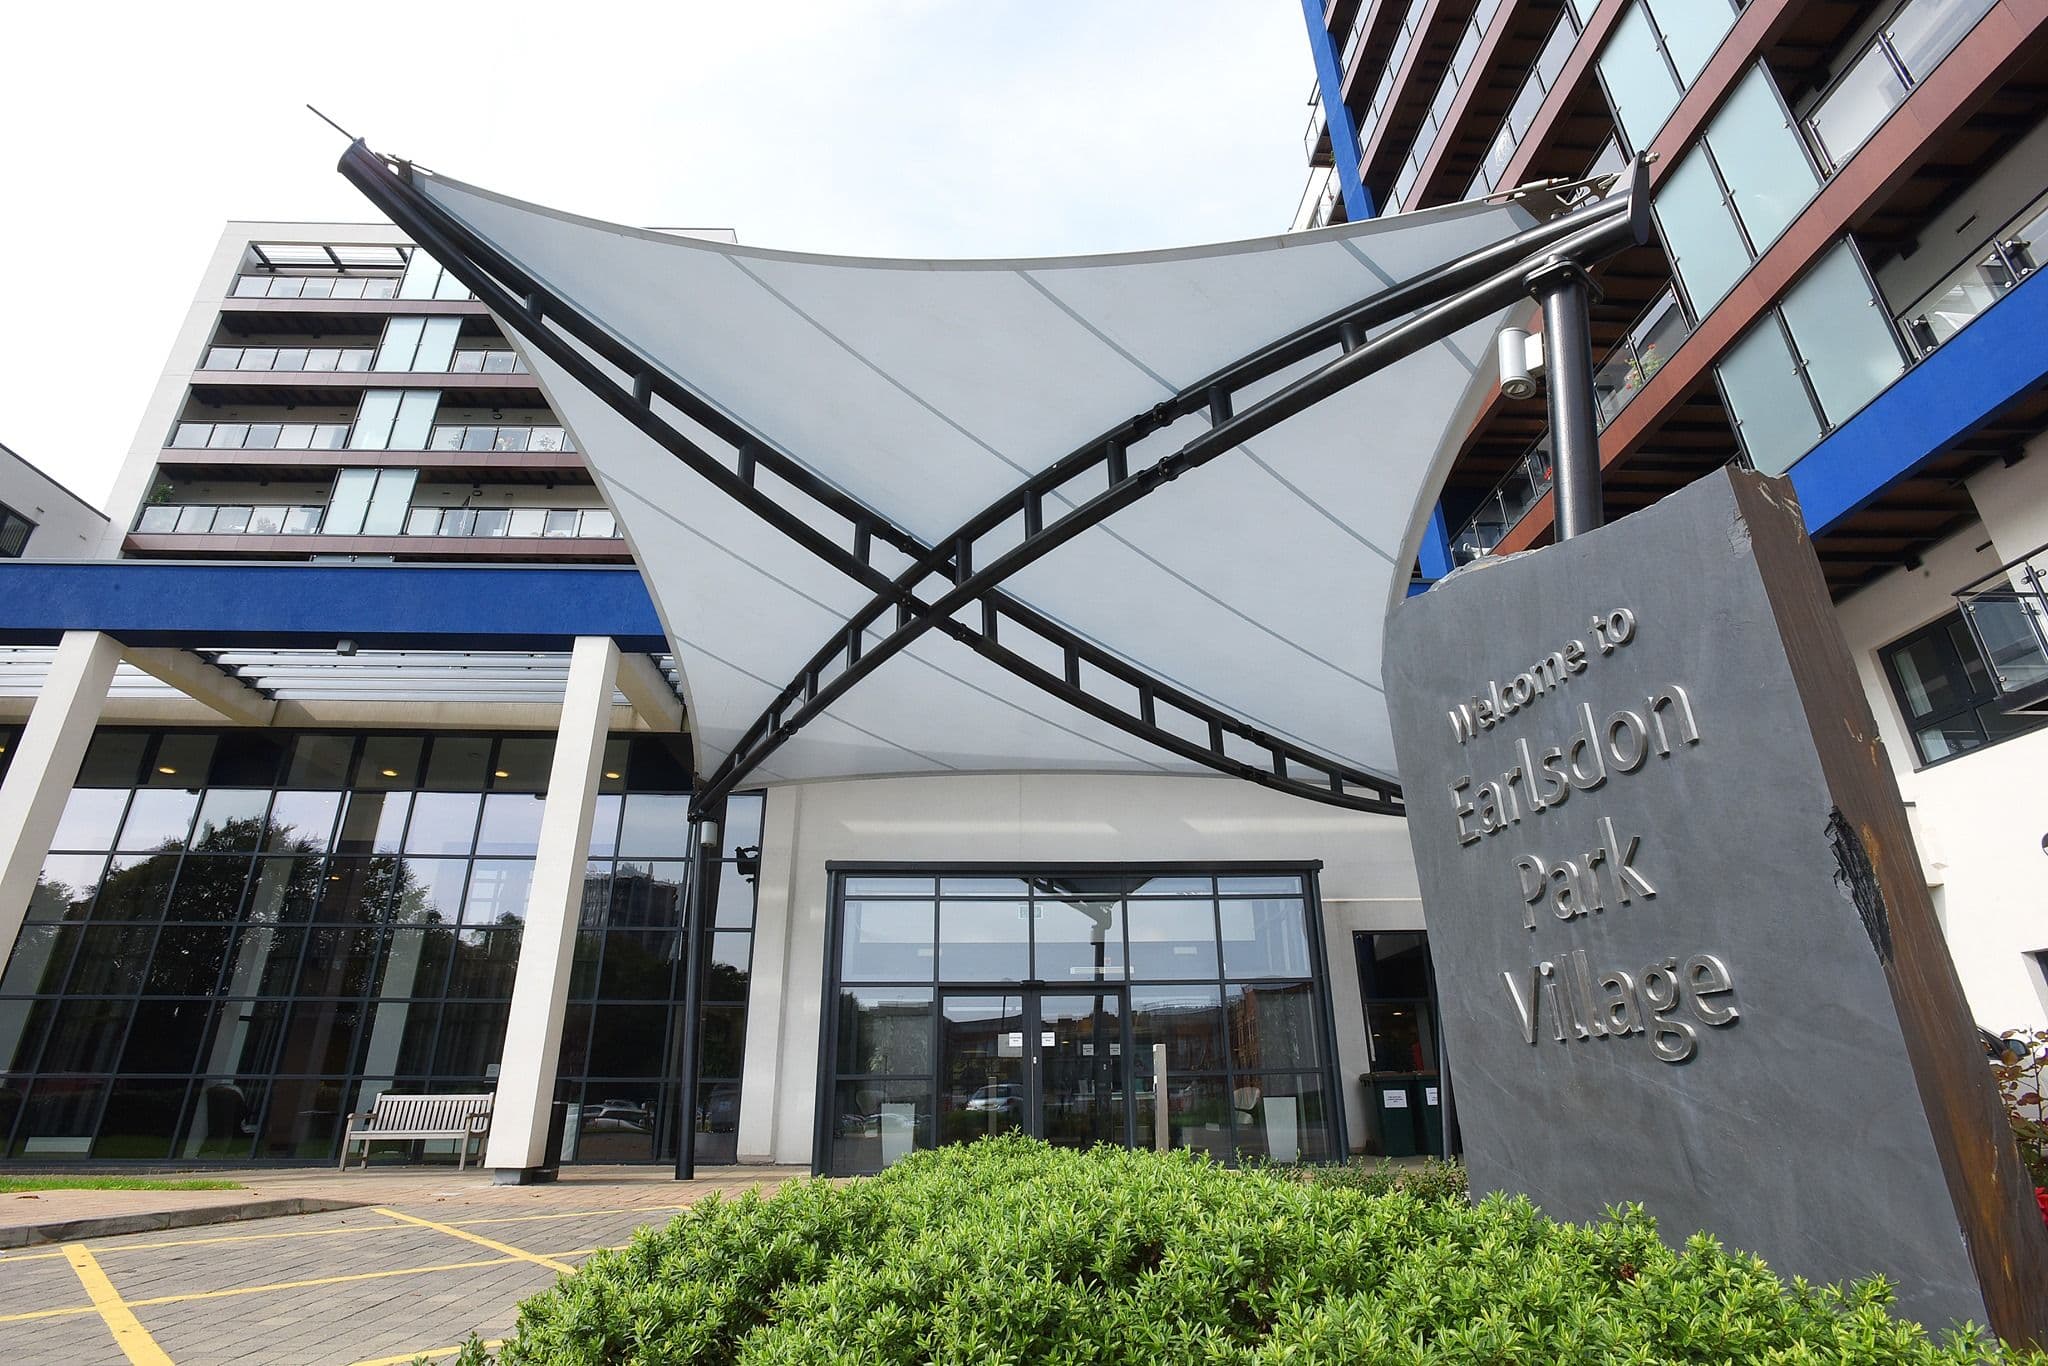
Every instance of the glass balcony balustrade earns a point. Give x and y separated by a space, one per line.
1621 374
260 436
314 359
1898 57
486 362
305 519
316 287
474 437
1313 138
1522 110
544 523
1987 274
2007 611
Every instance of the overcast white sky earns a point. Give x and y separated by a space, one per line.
888 127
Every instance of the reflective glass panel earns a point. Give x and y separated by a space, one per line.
1173 939
1762 158
1705 245
1638 80
887 940
498 892
1078 941
1844 333
984 941
1692 29
1772 412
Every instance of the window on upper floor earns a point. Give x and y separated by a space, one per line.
1945 693
394 420
422 345
14 533
1654 54
425 278
1811 362
1728 198
369 502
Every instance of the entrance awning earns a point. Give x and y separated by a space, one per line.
868 496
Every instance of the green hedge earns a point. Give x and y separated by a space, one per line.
1010 1251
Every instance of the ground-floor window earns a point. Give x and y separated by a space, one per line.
976 1001
239 937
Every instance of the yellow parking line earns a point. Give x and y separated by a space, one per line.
406 1358
550 1263
578 1214
129 1334
512 1255
207 1242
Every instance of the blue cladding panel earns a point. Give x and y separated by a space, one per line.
143 602
1344 149
1434 557
1976 373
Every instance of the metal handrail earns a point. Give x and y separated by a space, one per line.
2016 594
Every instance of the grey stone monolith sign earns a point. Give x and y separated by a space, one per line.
1684 950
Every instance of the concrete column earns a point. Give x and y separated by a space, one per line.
540 994
46 761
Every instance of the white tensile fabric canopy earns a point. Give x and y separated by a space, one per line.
925 389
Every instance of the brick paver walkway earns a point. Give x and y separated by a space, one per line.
430 1258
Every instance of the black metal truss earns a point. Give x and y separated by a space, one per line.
633 386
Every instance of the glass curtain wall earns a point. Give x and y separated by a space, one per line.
978 1002
240 937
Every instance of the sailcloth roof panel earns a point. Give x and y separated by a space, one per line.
926 389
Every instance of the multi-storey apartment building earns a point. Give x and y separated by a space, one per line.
1850 201
40 519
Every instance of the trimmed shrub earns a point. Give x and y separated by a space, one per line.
1010 1251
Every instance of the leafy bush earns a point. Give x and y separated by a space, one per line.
1011 1251
1430 1179
2021 1066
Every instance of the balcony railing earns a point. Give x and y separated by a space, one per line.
1455 72
316 287
260 436
231 519
486 362
1521 115
1989 273
313 358
1657 332
1314 136
2007 611
544 523
1905 48
304 519
488 438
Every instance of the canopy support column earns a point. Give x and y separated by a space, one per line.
45 764
517 1151
1565 293
708 830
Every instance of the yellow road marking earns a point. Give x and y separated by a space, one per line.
406 1358
336 1232
129 1334
513 1255
550 1263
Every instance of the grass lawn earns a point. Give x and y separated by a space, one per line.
10 1185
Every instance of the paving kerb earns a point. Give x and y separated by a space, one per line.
342 1287
70 1216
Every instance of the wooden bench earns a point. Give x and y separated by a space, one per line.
393 1117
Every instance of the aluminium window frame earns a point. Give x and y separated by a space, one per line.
837 871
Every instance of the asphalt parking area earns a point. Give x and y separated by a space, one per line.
374 1286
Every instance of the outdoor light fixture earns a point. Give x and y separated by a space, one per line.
166 769
746 859
500 773
1521 362
613 776
390 772
345 646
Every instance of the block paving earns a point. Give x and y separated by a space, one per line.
429 1258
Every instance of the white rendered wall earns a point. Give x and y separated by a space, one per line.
138 473
1368 882
1978 819
67 527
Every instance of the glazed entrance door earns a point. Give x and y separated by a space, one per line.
1084 1070
1050 1064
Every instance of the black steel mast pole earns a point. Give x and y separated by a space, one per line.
707 843
1565 293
